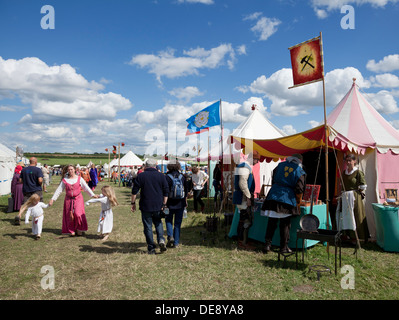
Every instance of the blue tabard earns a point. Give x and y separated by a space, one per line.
238 194
285 177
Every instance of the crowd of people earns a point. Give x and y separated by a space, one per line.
161 196
165 196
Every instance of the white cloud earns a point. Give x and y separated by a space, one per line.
264 26
166 64
57 92
314 124
196 1
320 13
323 7
387 64
383 101
186 94
300 100
288 129
253 16
386 80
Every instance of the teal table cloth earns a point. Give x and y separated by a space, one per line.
258 229
387 227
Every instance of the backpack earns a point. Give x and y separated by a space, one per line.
177 190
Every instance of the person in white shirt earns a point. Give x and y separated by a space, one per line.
108 200
46 177
35 210
199 179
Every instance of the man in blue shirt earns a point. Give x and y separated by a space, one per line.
31 178
154 192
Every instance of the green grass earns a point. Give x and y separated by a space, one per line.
206 266
64 159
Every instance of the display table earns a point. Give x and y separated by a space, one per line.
258 229
387 227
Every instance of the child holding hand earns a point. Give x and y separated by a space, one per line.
108 200
35 209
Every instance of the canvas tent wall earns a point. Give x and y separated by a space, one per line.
257 126
353 126
7 166
129 160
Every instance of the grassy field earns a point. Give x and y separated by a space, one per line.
65 159
206 266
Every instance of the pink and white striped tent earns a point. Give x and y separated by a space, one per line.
353 126
356 126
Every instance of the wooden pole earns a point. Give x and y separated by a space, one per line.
119 163
109 167
326 137
221 162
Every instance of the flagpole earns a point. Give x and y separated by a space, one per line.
221 162
209 172
326 136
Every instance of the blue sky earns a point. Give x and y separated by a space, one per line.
133 71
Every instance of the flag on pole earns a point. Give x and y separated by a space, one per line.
307 62
203 120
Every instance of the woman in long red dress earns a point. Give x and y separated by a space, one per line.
74 217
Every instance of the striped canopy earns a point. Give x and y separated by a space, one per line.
354 125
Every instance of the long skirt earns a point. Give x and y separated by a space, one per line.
106 222
37 225
74 216
18 197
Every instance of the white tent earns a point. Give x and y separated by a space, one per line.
7 166
128 160
255 126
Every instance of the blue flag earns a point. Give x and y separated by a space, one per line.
204 119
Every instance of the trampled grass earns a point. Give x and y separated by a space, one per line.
206 266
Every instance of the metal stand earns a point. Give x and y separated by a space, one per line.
319 269
330 236
285 255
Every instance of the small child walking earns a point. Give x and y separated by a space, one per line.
108 200
35 210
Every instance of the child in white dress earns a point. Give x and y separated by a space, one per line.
108 200
35 210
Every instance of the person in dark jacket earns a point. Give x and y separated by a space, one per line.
283 200
176 205
154 192
31 178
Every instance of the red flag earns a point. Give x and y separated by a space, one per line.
188 133
307 62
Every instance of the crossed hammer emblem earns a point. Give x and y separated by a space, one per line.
305 62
